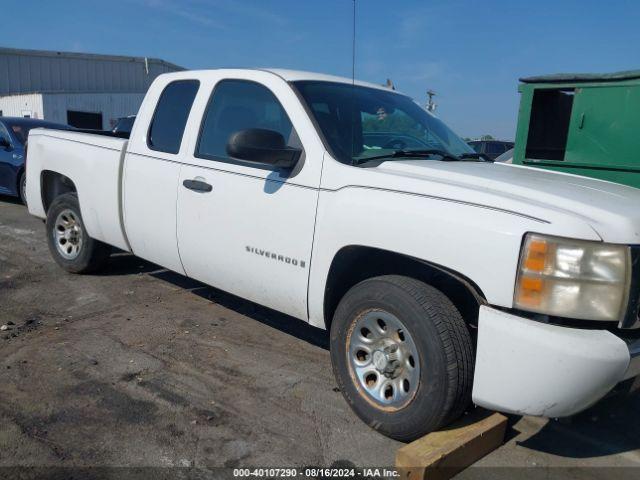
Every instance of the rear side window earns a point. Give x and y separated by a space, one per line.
238 105
170 117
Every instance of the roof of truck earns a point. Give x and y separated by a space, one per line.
298 75
293 76
583 77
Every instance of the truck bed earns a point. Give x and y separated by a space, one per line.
94 163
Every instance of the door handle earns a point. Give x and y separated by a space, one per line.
197 186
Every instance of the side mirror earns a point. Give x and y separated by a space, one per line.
4 143
262 146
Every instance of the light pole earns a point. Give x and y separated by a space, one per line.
431 105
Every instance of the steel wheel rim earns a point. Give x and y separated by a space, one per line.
68 235
383 359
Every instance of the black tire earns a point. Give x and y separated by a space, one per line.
444 348
92 254
22 185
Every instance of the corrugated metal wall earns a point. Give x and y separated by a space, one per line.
54 106
111 105
22 105
27 71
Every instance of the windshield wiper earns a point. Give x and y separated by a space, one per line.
446 156
479 156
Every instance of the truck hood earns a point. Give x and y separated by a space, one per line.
612 210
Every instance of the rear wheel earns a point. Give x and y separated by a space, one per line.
402 356
69 243
22 187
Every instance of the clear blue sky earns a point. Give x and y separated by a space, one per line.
470 52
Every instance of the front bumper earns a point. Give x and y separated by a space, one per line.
533 368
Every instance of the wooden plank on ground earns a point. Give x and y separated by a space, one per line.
440 455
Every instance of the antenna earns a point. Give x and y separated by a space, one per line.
353 83
353 47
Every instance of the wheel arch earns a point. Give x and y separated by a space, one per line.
52 185
355 263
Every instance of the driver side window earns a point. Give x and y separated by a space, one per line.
239 105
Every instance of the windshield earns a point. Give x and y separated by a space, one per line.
362 122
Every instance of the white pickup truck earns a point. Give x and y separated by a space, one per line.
444 279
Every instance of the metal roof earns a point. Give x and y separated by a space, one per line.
583 77
40 71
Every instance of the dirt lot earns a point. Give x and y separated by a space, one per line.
142 367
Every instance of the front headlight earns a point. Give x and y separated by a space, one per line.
573 278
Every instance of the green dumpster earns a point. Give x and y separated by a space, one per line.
586 124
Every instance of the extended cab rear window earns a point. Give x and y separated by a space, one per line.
170 117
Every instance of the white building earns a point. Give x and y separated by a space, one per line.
80 89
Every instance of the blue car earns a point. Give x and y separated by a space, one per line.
13 136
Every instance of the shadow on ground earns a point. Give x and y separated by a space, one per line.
127 264
611 426
10 199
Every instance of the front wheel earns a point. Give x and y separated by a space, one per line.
69 243
402 356
22 187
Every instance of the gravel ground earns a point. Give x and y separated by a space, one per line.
140 367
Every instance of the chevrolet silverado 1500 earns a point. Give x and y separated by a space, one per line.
444 279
